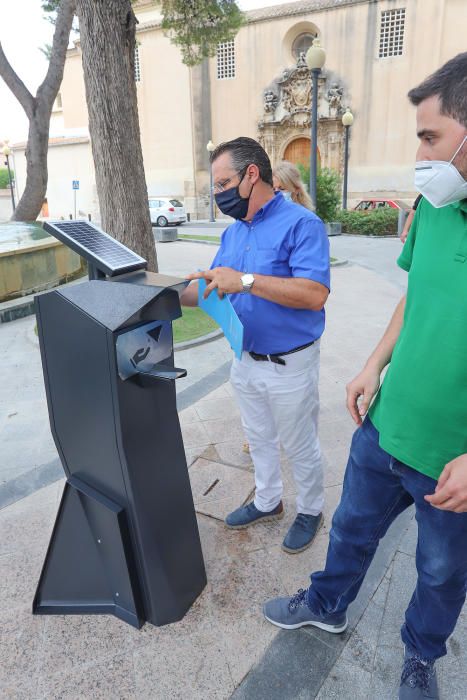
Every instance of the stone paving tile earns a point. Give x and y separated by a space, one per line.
72 641
334 463
245 640
361 647
113 678
215 485
337 434
195 435
220 542
294 667
386 672
19 574
213 409
221 508
188 415
20 644
402 584
195 668
230 452
343 677
223 430
219 393
408 543
452 669
39 516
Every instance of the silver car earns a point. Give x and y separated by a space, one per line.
165 211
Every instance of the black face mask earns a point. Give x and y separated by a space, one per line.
231 203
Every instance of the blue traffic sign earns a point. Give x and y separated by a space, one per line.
75 184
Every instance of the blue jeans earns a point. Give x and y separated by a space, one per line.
377 487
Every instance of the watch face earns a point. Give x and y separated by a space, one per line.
248 279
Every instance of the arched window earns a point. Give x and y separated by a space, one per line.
302 43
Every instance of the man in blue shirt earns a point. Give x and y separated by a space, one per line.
274 262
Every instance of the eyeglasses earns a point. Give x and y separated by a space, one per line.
222 186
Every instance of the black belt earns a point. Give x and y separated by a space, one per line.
277 357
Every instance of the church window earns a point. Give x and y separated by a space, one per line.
302 43
137 65
225 60
391 40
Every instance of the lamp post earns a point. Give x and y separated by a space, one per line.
315 58
6 150
210 147
347 121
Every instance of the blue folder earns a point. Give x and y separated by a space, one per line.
222 311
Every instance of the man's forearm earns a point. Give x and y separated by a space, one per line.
189 296
293 292
382 354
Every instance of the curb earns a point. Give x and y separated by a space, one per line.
196 240
371 235
201 340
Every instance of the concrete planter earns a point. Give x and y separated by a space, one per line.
333 228
165 235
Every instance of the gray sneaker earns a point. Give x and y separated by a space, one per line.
418 680
293 612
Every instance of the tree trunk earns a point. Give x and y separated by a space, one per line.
38 110
107 31
32 199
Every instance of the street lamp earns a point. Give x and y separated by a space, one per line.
210 147
6 150
315 58
347 121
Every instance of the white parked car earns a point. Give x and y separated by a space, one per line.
165 211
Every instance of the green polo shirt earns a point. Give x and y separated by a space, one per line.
421 408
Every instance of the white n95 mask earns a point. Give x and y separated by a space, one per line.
439 181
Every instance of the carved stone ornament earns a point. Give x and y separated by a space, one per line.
287 113
270 101
334 97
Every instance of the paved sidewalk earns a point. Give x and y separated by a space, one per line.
223 647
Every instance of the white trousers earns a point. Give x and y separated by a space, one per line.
279 405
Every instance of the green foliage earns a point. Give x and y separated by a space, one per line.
197 26
4 181
50 5
328 191
379 222
46 50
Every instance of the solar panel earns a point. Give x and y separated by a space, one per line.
96 246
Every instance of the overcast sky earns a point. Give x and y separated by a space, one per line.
23 30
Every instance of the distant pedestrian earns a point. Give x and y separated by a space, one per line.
286 178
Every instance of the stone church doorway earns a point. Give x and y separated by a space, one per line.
298 151
284 129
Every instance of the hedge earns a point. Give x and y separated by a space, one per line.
381 222
4 181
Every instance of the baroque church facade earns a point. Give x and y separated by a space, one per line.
259 85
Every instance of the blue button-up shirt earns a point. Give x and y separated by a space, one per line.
284 240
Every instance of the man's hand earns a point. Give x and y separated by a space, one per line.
451 490
365 384
224 279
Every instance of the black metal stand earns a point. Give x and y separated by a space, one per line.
126 538
89 565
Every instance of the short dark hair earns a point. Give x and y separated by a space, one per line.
245 152
449 83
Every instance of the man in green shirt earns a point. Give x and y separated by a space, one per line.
412 446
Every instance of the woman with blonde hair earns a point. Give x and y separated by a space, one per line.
286 178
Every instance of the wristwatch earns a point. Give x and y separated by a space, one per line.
247 282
